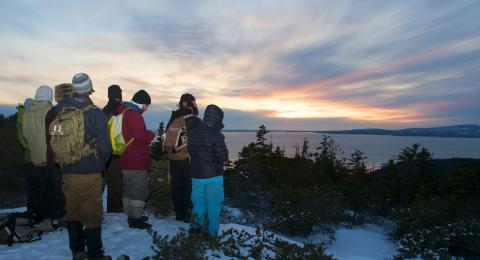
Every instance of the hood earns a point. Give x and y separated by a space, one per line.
129 105
27 102
77 100
44 93
213 117
38 105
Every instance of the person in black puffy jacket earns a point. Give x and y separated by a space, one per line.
208 152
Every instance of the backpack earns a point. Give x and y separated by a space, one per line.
17 228
21 138
68 136
115 124
176 141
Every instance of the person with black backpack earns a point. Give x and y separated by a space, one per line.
81 147
181 122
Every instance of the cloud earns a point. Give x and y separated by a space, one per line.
369 62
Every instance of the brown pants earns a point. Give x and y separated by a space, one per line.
115 186
83 194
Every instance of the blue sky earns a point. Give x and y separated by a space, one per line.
288 64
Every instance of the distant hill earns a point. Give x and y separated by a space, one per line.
468 131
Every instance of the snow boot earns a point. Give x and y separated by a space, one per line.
93 238
82 255
45 225
123 257
138 223
76 236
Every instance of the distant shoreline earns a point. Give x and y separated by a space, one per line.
458 131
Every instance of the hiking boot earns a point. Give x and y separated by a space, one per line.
138 223
82 255
44 226
140 219
187 218
59 223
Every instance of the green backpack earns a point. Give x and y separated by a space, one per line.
68 136
21 138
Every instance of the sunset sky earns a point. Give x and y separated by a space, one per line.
304 65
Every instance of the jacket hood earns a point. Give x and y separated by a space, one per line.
44 93
213 117
27 102
129 105
77 100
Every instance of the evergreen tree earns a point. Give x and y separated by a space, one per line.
326 159
262 131
305 148
156 149
356 162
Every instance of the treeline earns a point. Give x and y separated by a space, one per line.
8 120
435 213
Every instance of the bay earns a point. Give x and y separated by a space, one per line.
377 148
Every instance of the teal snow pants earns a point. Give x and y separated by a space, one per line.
207 199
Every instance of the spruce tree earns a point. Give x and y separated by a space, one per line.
156 149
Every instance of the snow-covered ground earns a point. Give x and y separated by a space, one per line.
368 242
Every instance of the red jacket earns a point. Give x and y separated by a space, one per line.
136 156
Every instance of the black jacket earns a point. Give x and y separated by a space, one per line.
206 145
111 108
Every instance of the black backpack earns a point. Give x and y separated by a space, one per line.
17 228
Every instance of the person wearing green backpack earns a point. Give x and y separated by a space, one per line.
81 147
27 166
33 128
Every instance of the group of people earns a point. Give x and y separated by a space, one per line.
68 151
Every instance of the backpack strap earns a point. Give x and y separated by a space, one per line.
87 148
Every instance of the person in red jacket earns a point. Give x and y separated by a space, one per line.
135 161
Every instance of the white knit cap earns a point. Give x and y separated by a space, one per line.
44 93
82 83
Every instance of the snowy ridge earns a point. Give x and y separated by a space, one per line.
368 242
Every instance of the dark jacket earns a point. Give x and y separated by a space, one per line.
136 156
206 145
191 122
111 108
95 123
51 115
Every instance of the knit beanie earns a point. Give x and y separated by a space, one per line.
63 90
82 83
142 97
114 91
44 93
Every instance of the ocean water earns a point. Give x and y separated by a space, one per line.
377 148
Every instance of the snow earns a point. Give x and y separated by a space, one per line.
366 242
359 243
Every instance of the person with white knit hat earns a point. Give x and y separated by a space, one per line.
82 179
34 131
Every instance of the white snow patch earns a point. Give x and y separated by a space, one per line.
359 243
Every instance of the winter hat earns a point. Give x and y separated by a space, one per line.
142 97
114 91
62 91
82 83
44 93
188 100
